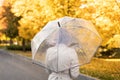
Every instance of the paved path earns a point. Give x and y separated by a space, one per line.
17 68
13 67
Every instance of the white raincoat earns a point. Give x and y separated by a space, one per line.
62 62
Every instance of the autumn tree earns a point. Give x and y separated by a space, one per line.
60 8
105 15
32 18
110 20
106 19
11 22
35 14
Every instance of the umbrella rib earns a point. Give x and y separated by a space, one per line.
84 55
90 31
81 54
82 26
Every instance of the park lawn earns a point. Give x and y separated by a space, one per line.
102 69
22 53
99 68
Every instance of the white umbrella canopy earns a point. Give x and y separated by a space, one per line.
76 33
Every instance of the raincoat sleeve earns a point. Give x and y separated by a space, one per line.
74 71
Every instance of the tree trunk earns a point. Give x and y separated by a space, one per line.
23 44
11 41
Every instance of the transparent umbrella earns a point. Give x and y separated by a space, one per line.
75 33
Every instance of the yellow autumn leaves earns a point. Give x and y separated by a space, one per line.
35 14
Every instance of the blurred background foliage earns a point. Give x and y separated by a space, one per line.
20 20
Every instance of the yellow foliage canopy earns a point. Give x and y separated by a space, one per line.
36 13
